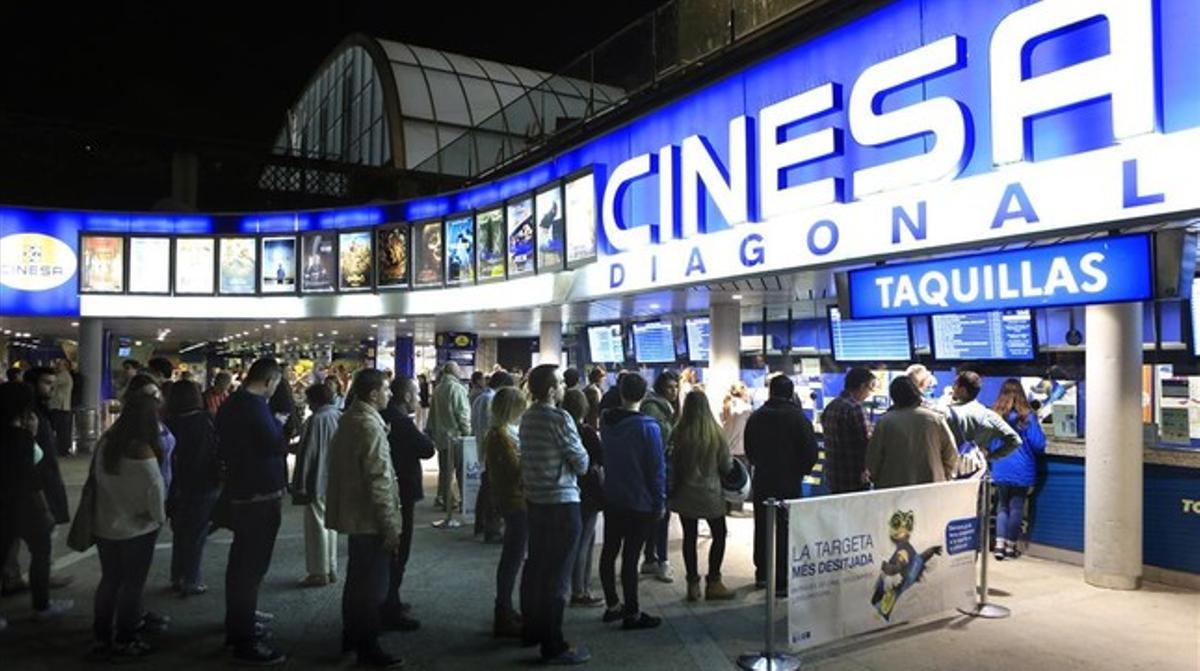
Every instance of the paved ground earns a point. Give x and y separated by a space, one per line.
1058 622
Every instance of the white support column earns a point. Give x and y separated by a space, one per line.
91 367
725 335
550 341
385 346
1112 554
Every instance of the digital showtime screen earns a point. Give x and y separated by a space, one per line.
654 342
699 331
606 343
887 339
999 335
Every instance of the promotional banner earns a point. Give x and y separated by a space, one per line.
520 238
548 210
238 260
103 266
278 274
460 250
355 260
194 265
150 265
859 562
320 263
393 256
490 239
581 220
429 251
472 477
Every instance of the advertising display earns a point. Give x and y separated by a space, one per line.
149 265
606 343
37 273
355 261
238 263
869 339
460 250
102 264
1196 316
489 237
698 333
548 210
428 255
654 342
859 562
580 213
394 257
999 335
195 265
278 273
521 238
320 263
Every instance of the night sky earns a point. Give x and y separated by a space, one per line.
228 71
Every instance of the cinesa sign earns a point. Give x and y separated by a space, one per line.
35 262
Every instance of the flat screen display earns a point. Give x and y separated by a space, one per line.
355 261
394 256
460 250
320 263
149 265
606 343
654 342
1196 316
580 208
999 335
428 255
698 330
551 247
195 265
278 273
886 339
102 266
520 238
238 257
489 237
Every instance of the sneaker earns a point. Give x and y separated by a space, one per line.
135 649
760 584
332 577
570 657
263 617
53 610
258 654
400 623
641 621
664 573
261 633
649 568
314 581
153 622
1011 552
613 613
59 581
379 659
586 601
193 590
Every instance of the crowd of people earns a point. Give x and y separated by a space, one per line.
557 451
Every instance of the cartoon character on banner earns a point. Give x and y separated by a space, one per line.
904 568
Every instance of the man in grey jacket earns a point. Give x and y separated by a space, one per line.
449 420
309 482
972 422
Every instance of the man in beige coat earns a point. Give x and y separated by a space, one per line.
449 421
363 501
911 445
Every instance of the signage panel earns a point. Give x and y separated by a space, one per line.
355 261
195 265
149 265
1000 335
394 256
886 339
460 250
653 342
429 253
699 331
606 343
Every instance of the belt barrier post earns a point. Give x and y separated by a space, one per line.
982 608
768 659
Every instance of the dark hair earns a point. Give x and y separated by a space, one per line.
904 393
576 404
365 381
161 366
781 386
542 380
631 387
857 377
132 363
400 385
36 373
282 400
136 385
184 397
664 378
16 401
222 378
477 377
970 383
1012 398
501 379
318 394
12 374
137 424
571 377
263 370
596 375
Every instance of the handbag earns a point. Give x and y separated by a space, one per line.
82 534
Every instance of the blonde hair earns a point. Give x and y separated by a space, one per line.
697 439
507 406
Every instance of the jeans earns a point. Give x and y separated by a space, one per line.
553 534
255 526
189 525
760 545
656 542
1010 511
35 531
63 422
124 565
581 576
320 544
716 551
398 561
512 556
624 533
365 591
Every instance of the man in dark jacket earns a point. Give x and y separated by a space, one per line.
661 405
782 448
409 445
635 497
254 451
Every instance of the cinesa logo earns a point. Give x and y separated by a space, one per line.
35 262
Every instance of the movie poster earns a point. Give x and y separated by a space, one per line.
520 238
355 260
320 263
194 265
428 255
149 265
581 220
489 238
278 274
551 250
393 256
102 270
238 257
460 250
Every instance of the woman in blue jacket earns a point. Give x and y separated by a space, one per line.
1014 474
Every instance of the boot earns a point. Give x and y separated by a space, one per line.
507 624
715 590
693 588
